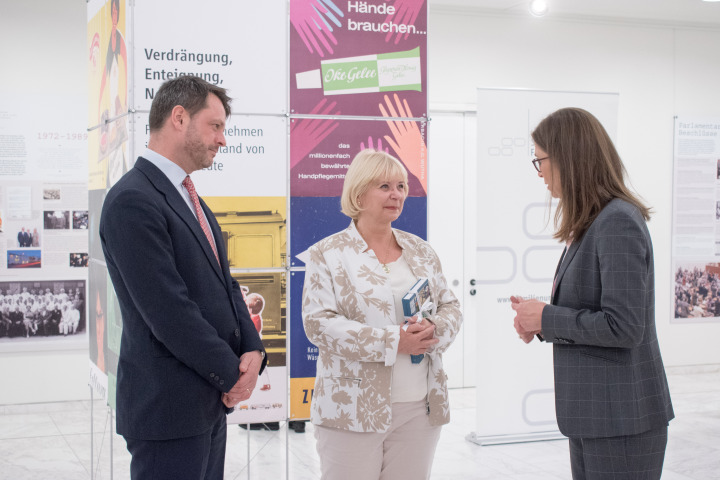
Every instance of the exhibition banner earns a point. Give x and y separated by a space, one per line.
246 187
516 255
180 37
356 52
696 220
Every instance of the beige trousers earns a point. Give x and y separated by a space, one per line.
405 451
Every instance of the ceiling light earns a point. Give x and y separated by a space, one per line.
539 8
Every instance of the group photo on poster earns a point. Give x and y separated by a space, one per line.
697 290
41 310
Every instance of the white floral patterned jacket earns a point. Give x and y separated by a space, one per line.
349 314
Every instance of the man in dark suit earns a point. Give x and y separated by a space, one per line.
24 239
189 350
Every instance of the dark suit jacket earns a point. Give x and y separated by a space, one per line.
609 377
185 323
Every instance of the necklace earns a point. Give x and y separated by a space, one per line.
387 254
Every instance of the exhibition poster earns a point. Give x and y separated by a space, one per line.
356 52
246 187
43 224
361 59
696 220
516 254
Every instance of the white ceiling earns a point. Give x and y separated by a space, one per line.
666 12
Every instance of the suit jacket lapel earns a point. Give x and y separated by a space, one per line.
176 202
563 265
220 244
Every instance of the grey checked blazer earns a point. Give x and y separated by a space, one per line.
609 376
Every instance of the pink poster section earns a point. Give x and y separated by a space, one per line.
354 53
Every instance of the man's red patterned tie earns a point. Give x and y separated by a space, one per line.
188 184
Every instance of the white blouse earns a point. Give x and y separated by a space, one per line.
409 380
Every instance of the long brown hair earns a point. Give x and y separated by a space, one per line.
591 172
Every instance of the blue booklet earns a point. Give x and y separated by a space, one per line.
417 301
416 297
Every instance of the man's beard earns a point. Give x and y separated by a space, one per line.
197 151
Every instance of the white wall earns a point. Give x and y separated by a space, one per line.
44 50
658 71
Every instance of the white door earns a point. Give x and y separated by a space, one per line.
451 200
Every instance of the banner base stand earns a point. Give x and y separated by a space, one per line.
484 440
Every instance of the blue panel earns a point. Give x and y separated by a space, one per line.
314 218
302 361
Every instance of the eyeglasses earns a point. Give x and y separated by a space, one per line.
536 162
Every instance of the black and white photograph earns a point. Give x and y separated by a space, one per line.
51 194
80 220
40 309
56 219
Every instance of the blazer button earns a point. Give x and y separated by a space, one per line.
212 375
222 382
237 332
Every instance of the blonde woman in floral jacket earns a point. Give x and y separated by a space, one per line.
377 415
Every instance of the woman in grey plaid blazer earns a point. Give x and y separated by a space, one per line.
611 393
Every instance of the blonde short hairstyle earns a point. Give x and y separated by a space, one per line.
368 166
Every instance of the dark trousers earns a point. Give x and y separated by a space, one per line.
201 457
631 457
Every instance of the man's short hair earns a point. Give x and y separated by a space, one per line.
188 91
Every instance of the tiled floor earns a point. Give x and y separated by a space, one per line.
52 441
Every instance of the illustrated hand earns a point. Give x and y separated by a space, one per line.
307 133
250 363
406 12
417 338
407 140
308 18
370 145
528 317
